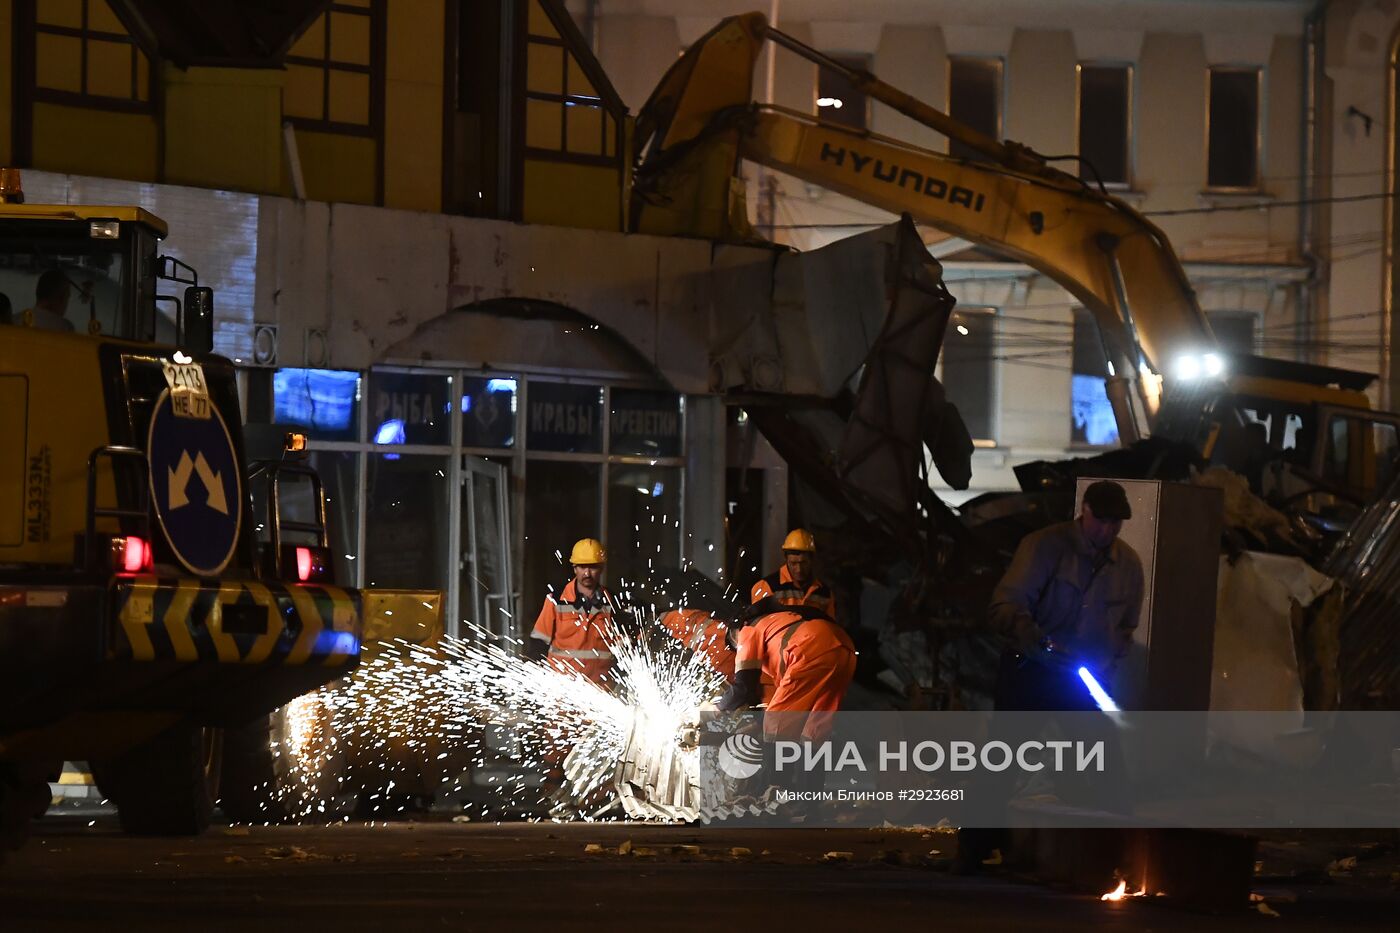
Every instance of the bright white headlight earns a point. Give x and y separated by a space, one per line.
1213 364
1188 367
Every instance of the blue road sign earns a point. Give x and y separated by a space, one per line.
195 486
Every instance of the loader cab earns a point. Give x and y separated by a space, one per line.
1316 451
1304 435
111 280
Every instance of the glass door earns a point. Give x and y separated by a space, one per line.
485 598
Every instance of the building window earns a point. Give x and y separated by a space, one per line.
1234 330
1105 123
974 99
408 505
838 100
335 71
968 373
562 505
1092 423
84 56
1233 128
566 115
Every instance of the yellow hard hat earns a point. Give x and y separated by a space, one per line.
588 551
800 539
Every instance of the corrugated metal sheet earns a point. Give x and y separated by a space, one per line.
1367 562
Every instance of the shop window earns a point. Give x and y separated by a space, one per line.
566 113
644 504
488 411
645 424
335 71
974 99
340 481
84 56
968 375
407 512
1105 123
838 100
1091 415
339 475
325 402
564 418
410 408
562 506
1233 139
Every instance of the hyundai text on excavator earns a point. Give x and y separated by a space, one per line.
1167 375
139 609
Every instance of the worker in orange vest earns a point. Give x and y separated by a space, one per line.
795 583
703 634
573 629
703 631
810 659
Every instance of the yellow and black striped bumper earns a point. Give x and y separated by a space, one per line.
249 622
215 652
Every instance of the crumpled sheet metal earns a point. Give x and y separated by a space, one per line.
1367 562
1255 662
662 782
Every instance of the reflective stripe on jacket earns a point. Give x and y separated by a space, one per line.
781 587
577 630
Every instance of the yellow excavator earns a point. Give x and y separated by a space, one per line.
1167 375
143 604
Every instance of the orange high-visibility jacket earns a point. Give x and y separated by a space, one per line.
780 585
702 633
576 630
811 662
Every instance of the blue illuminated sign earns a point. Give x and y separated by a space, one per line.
195 485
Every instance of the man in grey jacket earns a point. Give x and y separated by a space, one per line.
1070 598
1073 592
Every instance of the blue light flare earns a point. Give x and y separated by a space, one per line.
1100 695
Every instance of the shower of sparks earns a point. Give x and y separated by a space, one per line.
550 740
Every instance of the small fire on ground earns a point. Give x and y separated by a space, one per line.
1120 893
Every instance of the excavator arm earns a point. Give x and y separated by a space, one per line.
701 121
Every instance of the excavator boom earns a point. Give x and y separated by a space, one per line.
701 121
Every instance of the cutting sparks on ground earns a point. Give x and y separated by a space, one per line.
560 740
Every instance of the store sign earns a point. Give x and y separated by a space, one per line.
488 411
323 401
409 408
645 423
565 418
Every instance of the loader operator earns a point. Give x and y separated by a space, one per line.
795 582
51 296
1073 590
810 659
573 629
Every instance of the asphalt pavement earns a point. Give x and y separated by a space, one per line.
80 873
